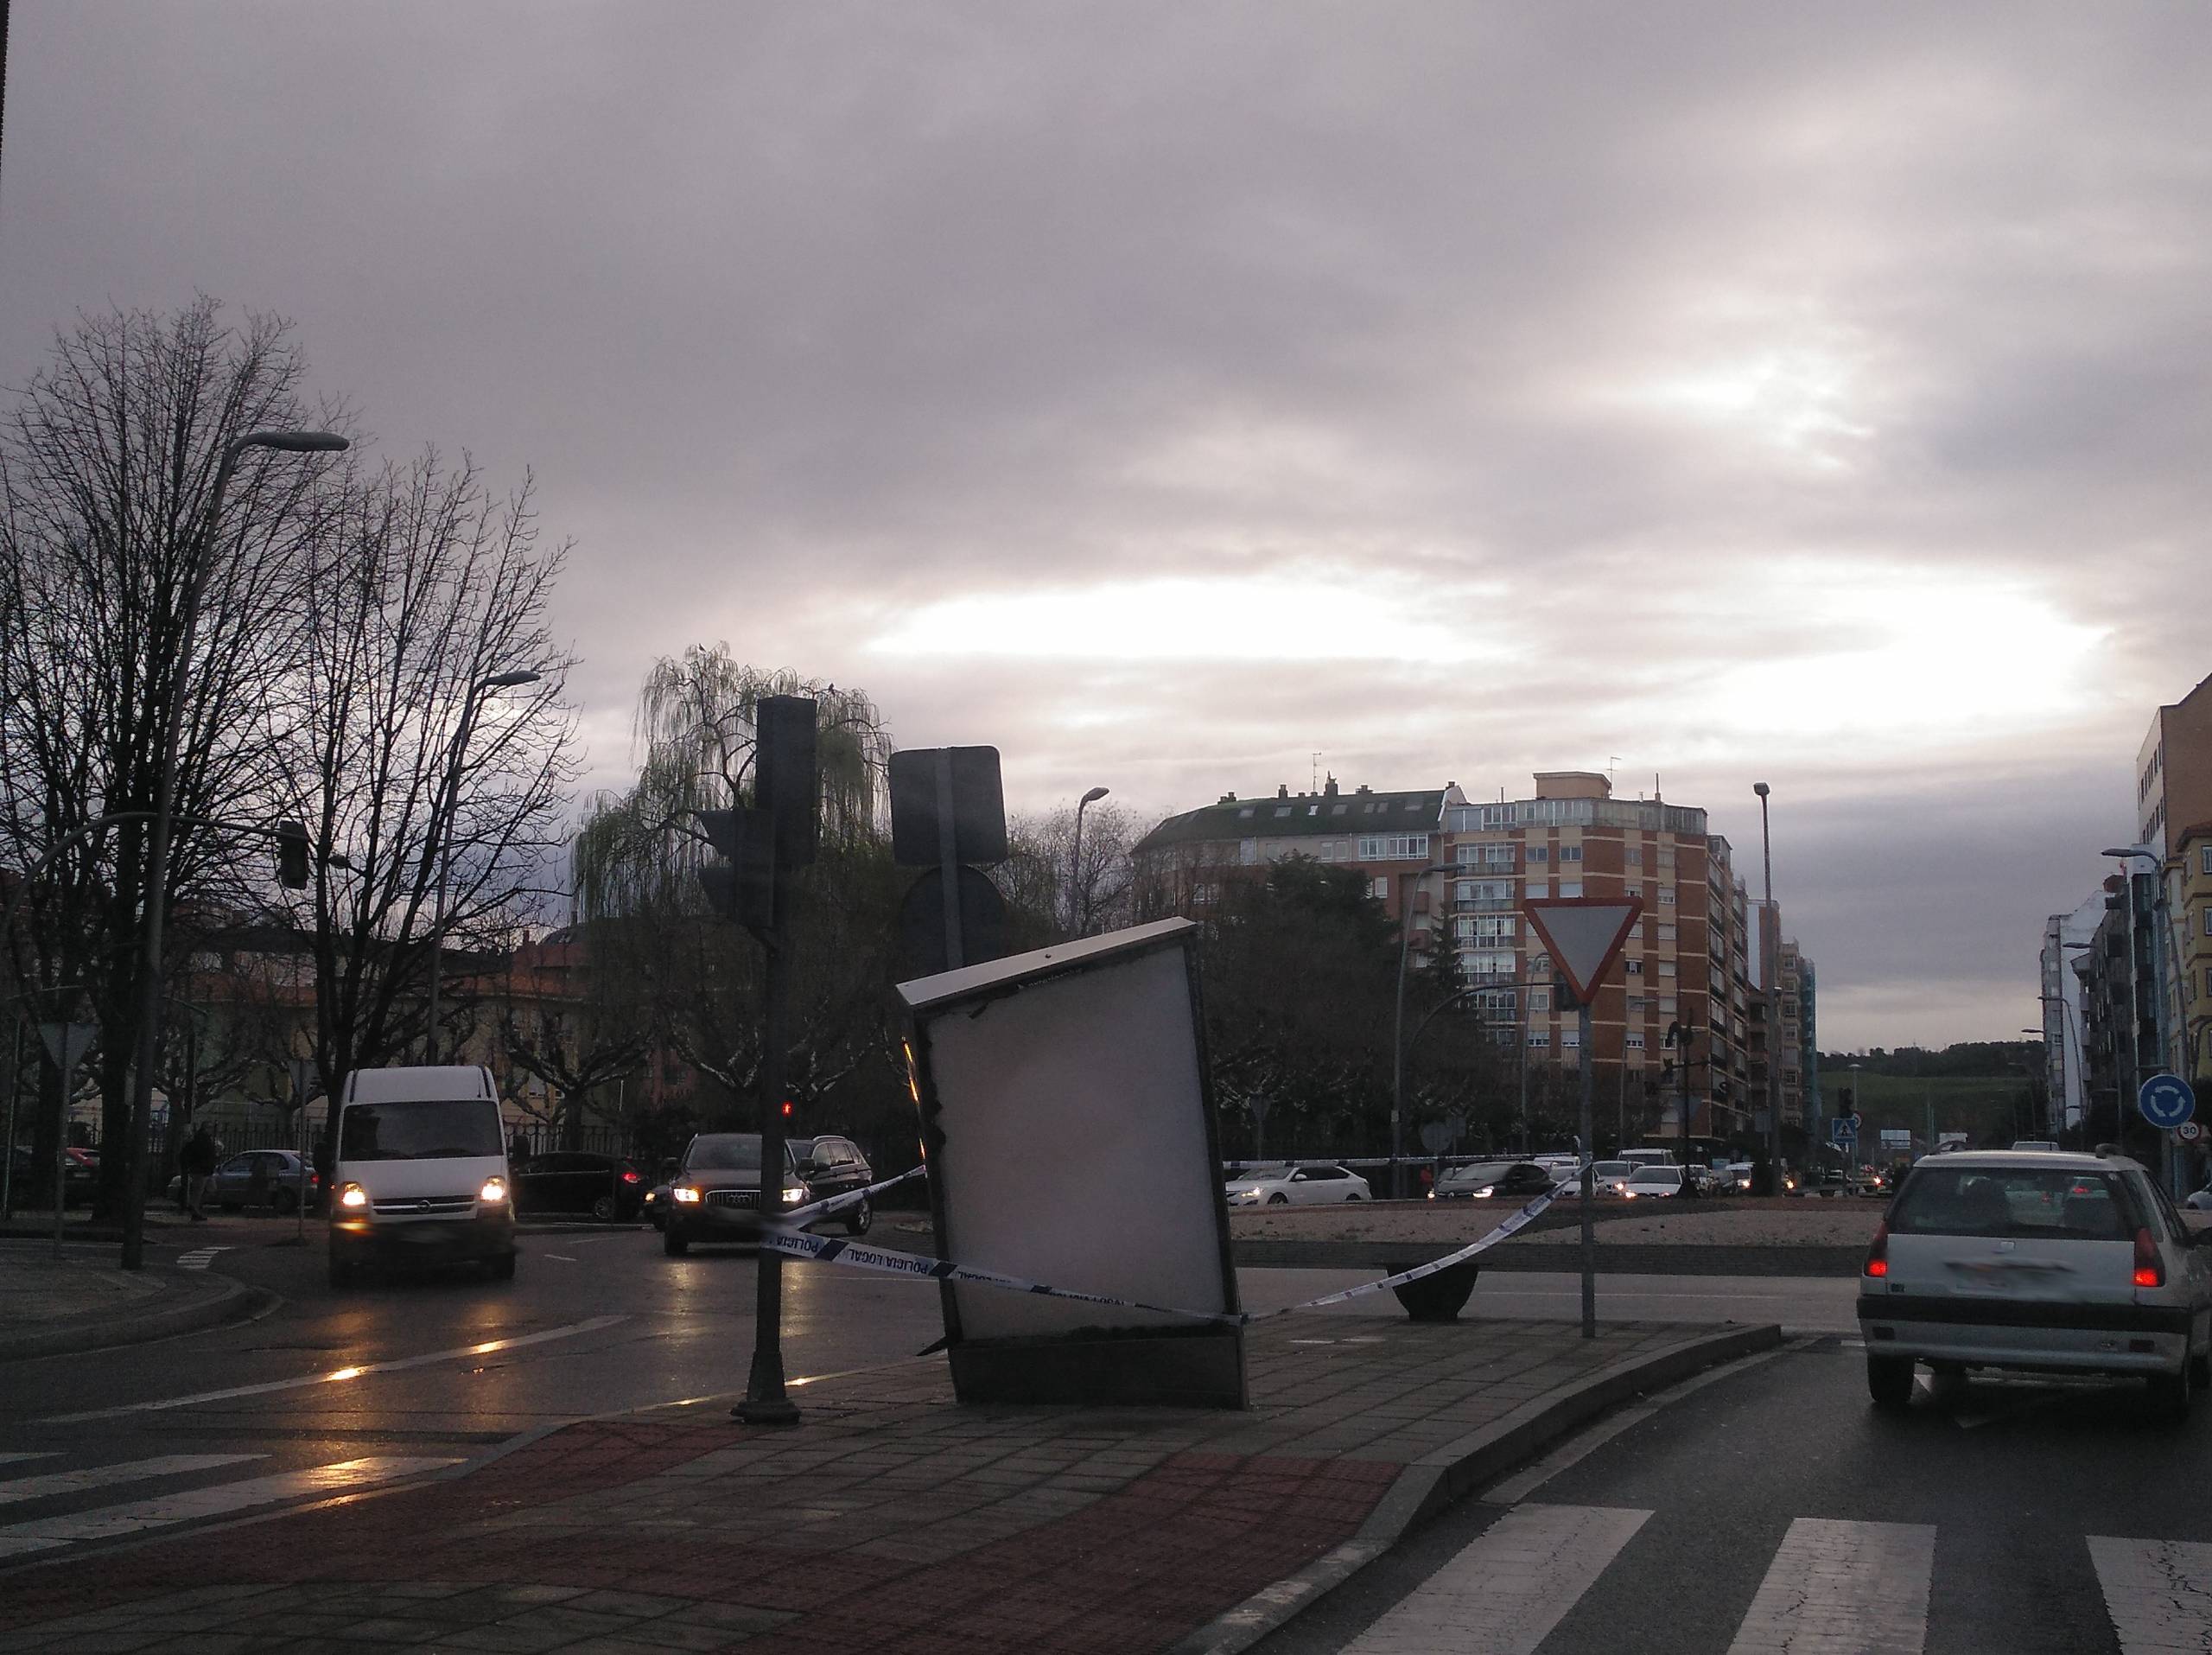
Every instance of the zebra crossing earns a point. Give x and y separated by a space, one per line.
76 1525
1835 1586
198 1257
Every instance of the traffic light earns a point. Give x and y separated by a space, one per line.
292 855
742 886
788 1111
786 777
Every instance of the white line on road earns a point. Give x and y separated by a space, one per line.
129 1471
1509 1587
200 1258
1843 1589
2158 1593
564 1257
11 1459
339 1376
16 1538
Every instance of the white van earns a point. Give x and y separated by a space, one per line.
420 1174
1649 1157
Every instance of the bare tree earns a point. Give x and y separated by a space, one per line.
559 1021
1042 874
425 585
106 466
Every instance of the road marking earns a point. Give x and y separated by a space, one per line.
1519 1487
11 1459
1508 1588
2158 1593
129 1471
200 1258
1843 1589
44 1535
338 1375
564 1257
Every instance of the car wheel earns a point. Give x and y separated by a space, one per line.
2170 1394
1278 1199
1889 1382
1355 1196
862 1216
674 1241
602 1208
2200 1370
287 1202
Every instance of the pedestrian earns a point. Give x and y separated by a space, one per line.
198 1164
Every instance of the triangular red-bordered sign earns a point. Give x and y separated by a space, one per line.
1584 933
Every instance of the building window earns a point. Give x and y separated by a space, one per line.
1539 853
1492 963
1495 927
1466 856
1635 856
1540 965
1666 897
1245 815
1570 888
1505 1000
1666 934
1539 1037
1381 887
1666 968
1633 967
1666 1005
1637 1005
1570 853
1636 1040
1393 847
1537 888
1570 1037
2204 858
1540 999
1248 851
2208 921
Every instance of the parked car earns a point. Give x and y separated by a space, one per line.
2040 1261
271 1178
1492 1179
1564 1169
80 1173
1302 1185
607 1187
1655 1182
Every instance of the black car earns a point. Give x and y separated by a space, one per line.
716 1193
1492 1180
576 1182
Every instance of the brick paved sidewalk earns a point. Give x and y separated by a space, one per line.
890 1518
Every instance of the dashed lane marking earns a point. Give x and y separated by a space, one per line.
340 1376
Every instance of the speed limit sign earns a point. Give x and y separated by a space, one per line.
2189 1131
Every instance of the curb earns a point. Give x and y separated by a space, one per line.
1429 1485
1613 1258
228 1301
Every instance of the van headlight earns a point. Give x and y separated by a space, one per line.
795 1196
684 1195
353 1196
493 1192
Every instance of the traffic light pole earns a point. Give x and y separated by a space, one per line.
765 1402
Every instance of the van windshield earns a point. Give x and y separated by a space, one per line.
420 1130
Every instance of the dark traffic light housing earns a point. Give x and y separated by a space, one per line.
292 855
742 886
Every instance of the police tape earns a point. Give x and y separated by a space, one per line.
785 1238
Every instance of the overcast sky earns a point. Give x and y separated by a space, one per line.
1168 393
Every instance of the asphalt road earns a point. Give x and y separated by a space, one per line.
1769 1502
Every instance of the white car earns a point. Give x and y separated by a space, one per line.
1306 1183
1607 1177
1653 1181
2037 1260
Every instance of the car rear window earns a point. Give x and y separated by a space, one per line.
2052 1204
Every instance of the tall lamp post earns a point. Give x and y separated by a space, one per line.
157 848
1773 1107
1075 862
442 834
1398 1028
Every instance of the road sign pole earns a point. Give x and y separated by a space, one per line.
1589 1157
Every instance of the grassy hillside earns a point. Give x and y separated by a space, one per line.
1990 1108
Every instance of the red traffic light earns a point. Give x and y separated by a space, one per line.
787 1109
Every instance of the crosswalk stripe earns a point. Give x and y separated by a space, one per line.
129 1471
200 1258
44 1534
1508 1587
1843 1589
2158 1593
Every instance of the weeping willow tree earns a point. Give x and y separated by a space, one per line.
636 859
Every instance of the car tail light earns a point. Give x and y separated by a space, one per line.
631 1178
2150 1268
1878 1256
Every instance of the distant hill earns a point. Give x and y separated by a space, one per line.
1992 1091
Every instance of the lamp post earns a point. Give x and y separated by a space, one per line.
1770 967
157 848
441 834
1398 1028
1075 862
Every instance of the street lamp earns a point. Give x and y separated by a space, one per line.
1075 862
1398 1028
442 834
1772 967
157 846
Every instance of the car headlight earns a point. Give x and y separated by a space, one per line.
795 1195
1487 1189
684 1195
493 1192
352 1195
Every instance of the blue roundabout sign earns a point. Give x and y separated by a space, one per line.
2166 1101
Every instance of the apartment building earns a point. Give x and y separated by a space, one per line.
2191 866
1182 865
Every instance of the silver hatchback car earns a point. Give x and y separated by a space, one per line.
2039 1261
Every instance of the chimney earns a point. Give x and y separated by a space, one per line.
1282 790
1329 788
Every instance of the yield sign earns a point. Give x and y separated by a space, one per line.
1585 935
